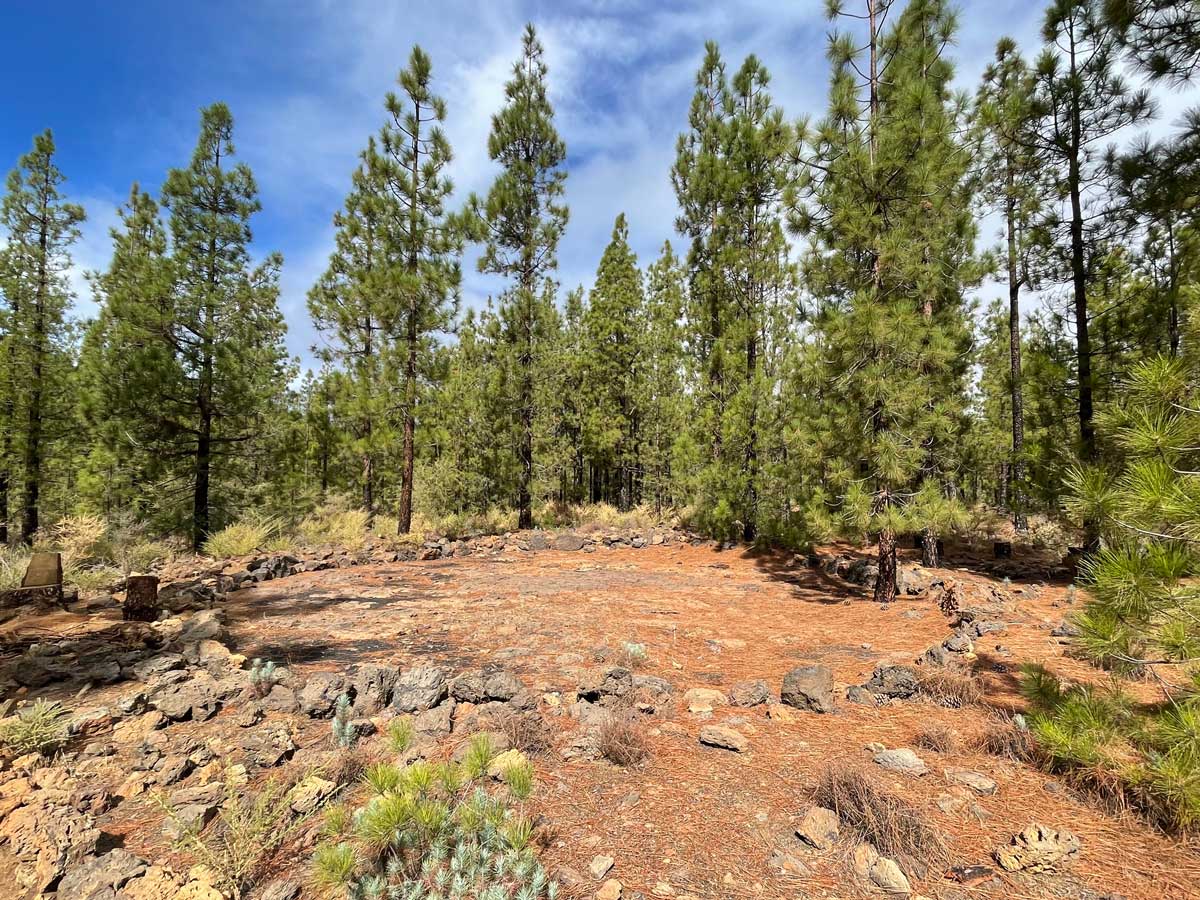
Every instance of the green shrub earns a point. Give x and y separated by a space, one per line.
40 727
250 827
480 754
424 837
344 734
340 527
263 676
241 538
400 734
13 563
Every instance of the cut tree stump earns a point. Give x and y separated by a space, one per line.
141 598
1002 549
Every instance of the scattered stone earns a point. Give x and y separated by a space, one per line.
886 874
781 713
100 877
600 866
419 689
611 890
724 738
280 889
309 794
784 863
895 682
976 781
858 694
819 828
372 685
319 695
901 760
808 687
1037 849
750 693
864 857
436 722
958 643
601 684
569 542
1065 629
703 700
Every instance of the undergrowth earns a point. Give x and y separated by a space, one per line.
40 727
242 538
434 832
884 819
1120 754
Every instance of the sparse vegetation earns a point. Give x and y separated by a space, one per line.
526 731
938 738
1009 738
633 655
948 687
40 727
400 734
242 538
621 739
344 734
263 676
428 834
249 828
894 826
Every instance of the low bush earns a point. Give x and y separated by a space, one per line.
40 727
894 826
948 688
13 563
938 738
1008 737
621 739
241 538
525 731
346 528
1120 756
237 846
436 833
632 655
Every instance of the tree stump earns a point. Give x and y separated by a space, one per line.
141 598
1002 549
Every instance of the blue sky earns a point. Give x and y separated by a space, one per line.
121 84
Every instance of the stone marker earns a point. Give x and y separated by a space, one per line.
42 583
45 570
141 599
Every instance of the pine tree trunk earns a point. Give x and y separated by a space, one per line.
930 558
33 436
410 417
1016 470
200 517
750 526
885 584
525 448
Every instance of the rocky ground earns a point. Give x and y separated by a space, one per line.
746 675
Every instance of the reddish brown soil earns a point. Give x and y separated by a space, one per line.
705 821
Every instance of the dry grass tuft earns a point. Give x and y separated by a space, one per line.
1004 738
622 739
879 816
526 731
938 738
952 689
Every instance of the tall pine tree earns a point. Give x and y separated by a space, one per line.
523 219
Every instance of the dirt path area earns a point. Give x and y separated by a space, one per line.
695 819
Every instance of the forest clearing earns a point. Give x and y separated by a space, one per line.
540 450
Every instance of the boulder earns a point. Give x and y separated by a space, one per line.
895 682
100 877
600 684
750 693
808 687
419 689
976 781
321 692
887 876
372 686
569 542
309 794
901 760
724 738
819 828
1037 849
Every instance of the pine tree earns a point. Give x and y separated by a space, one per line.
39 227
612 351
1086 103
1011 173
893 254
664 401
200 342
732 172
354 306
423 241
522 221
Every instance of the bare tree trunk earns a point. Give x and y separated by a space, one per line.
1016 470
33 436
410 419
930 558
885 584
